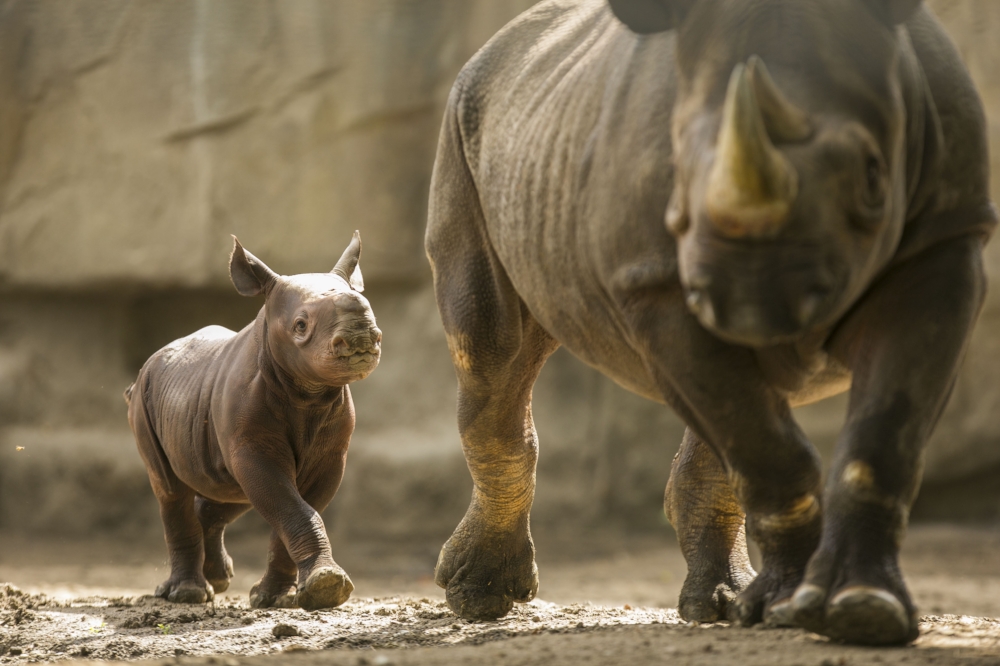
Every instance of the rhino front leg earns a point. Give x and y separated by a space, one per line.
772 469
904 345
711 531
270 486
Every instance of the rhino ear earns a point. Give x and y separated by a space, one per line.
250 275
893 12
348 265
648 16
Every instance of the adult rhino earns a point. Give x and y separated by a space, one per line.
731 240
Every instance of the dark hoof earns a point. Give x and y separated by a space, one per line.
483 581
780 614
264 595
326 587
185 592
767 599
716 605
861 615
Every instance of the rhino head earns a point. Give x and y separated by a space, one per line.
790 177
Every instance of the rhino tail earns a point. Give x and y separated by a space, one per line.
128 393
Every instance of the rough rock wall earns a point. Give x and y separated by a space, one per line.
136 135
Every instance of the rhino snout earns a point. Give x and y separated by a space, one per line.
756 319
348 343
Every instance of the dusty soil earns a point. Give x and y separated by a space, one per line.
612 605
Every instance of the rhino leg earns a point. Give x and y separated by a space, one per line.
214 516
185 545
774 472
489 561
708 519
300 548
904 345
181 529
277 587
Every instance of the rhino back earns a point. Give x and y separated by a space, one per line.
565 125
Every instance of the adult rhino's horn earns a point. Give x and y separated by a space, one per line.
751 186
785 122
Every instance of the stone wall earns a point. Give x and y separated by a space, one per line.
135 136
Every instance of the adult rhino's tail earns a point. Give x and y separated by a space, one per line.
128 393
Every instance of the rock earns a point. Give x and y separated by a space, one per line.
282 630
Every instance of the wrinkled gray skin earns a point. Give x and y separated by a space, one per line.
261 419
585 194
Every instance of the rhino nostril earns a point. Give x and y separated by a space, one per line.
811 303
700 304
696 300
339 345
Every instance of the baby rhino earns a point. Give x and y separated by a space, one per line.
261 418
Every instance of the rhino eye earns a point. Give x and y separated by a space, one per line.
873 178
300 326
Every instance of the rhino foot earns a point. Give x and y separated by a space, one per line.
767 599
326 587
708 600
187 591
482 580
218 570
272 594
859 614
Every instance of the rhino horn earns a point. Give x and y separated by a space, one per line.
751 186
785 122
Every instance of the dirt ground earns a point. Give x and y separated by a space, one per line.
610 601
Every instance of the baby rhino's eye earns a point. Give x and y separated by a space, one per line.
300 326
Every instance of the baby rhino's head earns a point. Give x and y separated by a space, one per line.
320 329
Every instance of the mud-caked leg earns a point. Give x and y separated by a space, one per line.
903 345
772 469
711 532
498 350
214 517
489 562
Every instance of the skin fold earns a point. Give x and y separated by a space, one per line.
261 419
731 207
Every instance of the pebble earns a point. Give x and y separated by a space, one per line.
281 630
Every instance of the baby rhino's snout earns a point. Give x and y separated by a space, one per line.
349 343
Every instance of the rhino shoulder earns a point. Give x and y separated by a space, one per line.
961 178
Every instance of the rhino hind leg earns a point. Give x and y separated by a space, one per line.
497 349
711 532
187 583
214 517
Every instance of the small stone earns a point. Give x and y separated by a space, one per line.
246 620
15 651
536 618
628 607
282 630
178 652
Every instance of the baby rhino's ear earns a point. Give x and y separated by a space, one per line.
347 267
250 275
